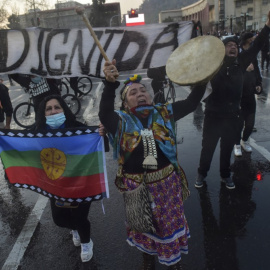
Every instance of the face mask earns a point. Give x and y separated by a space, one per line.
55 120
36 79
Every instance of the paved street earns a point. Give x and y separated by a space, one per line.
229 228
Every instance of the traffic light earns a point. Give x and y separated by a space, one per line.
133 13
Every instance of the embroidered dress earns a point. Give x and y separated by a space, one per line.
172 232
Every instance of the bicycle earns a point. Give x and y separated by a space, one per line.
24 113
159 84
161 97
81 85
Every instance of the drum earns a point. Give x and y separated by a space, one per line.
196 61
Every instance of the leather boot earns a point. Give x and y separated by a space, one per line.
177 266
148 262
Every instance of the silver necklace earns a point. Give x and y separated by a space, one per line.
150 150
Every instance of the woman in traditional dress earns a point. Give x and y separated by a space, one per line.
144 140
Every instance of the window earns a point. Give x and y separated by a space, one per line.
238 4
244 3
265 2
250 1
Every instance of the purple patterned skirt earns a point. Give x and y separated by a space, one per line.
172 232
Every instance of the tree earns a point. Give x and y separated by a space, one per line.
14 22
34 6
168 19
97 14
3 14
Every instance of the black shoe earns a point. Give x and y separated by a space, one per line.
199 181
80 95
148 262
177 266
228 182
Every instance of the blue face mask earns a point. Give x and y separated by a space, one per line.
55 120
36 79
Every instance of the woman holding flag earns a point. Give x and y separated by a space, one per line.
149 176
54 113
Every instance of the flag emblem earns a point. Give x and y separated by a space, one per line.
53 162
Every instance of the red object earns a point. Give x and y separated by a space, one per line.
259 176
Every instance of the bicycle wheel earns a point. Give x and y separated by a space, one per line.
24 115
84 85
73 103
64 90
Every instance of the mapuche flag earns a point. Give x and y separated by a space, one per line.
65 164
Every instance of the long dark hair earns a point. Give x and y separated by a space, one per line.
41 119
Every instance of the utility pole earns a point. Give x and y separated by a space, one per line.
245 19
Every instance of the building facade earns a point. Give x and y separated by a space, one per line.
223 15
65 16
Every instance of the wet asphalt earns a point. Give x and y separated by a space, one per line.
229 228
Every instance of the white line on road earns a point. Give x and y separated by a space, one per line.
25 236
264 152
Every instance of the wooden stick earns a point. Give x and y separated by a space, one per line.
80 11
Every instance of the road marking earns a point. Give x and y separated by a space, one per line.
18 250
263 151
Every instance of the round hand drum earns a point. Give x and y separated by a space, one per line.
196 61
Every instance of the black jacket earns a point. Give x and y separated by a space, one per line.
46 87
5 103
227 84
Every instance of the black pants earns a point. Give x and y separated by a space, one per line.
73 218
265 57
246 119
216 128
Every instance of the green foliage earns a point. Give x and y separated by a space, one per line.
97 14
14 22
3 14
168 19
151 8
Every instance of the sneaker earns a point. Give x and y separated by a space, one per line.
229 182
76 238
80 95
246 146
87 251
237 150
199 181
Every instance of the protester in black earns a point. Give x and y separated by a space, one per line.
222 106
6 108
73 81
252 85
38 87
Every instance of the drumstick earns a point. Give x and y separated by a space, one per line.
80 11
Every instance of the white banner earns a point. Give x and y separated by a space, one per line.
60 53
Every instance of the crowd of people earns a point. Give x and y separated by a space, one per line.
143 139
